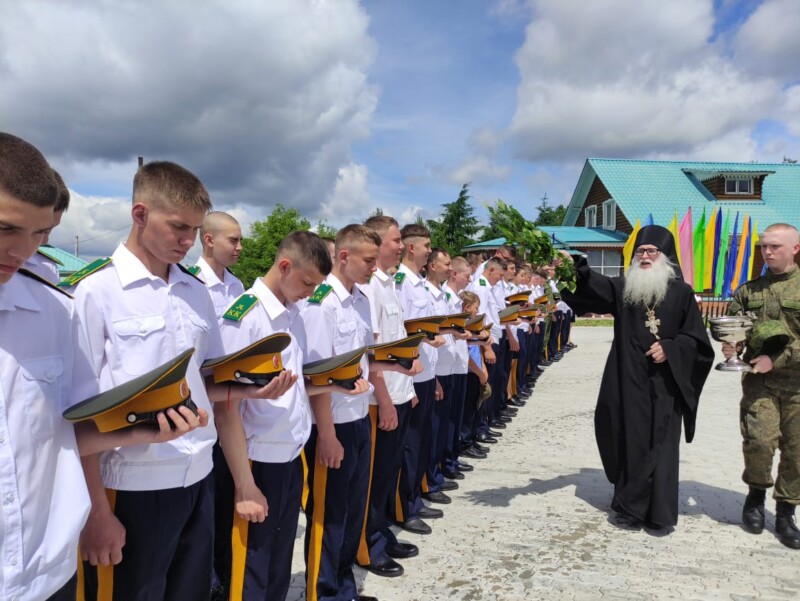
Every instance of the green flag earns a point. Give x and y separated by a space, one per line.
724 240
699 244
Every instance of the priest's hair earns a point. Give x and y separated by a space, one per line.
648 287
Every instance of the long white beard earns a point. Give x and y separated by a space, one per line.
648 286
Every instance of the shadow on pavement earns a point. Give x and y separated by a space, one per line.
720 504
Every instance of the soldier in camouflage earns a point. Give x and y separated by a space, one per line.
770 406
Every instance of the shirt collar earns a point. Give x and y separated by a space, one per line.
410 275
338 287
131 270
382 276
433 289
270 302
14 295
209 276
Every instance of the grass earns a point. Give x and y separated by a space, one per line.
593 322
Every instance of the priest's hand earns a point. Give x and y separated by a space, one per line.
657 353
728 350
761 364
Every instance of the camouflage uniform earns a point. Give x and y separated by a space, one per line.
770 406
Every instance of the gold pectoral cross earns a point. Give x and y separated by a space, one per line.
652 322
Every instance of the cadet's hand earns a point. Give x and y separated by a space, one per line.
728 350
513 344
387 417
102 538
656 353
361 386
439 394
761 364
184 419
330 452
414 401
462 335
275 389
536 328
250 503
489 356
483 376
436 342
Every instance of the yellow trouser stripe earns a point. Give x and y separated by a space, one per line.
304 498
512 380
317 527
398 504
424 485
363 548
239 532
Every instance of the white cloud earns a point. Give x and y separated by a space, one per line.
409 214
350 200
768 42
478 169
262 100
100 224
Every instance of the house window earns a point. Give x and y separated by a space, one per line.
738 186
607 262
590 216
609 215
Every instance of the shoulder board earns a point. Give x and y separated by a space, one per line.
41 280
320 293
447 295
240 307
369 281
399 277
76 277
190 271
39 251
481 282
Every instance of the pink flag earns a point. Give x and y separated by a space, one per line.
685 236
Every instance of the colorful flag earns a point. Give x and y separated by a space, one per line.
627 250
673 229
710 240
687 247
721 250
730 264
742 256
649 219
699 243
753 241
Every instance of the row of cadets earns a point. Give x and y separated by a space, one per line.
477 381
528 362
416 302
514 341
46 368
221 241
558 342
139 309
434 485
336 320
262 441
390 411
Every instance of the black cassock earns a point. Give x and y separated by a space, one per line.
640 406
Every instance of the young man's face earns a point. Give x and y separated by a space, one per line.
391 247
226 244
421 248
511 272
493 274
168 234
779 247
298 280
439 269
23 227
459 279
360 262
57 215
471 308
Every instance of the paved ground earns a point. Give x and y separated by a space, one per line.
531 522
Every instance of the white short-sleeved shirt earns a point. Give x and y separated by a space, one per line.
417 302
223 292
489 306
445 354
387 326
340 323
454 305
43 266
135 322
44 503
505 289
276 431
560 305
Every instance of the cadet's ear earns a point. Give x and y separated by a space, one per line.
139 213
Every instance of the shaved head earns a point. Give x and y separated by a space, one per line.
216 221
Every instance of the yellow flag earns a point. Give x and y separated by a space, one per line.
673 229
627 250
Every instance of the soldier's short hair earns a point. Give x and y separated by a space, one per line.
25 173
381 223
497 263
460 264
62 202
436 253
414 230
355 233
167 185
305 247
470 298
214 221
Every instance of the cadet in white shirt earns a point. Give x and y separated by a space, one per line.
390 411
40 263
44 369
417 302
263 441
140 308
221 238
336 320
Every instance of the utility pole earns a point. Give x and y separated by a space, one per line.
141 161
76 246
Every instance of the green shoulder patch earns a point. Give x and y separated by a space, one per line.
399 277
76 277
240 307
190 271
320 293
481 282
41 280
447 295
194 270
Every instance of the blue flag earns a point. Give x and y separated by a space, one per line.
730 264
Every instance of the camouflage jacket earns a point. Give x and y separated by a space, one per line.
775 296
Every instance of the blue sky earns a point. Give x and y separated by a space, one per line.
336 108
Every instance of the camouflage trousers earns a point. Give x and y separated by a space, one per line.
770 421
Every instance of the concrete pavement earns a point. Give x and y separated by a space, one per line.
531 522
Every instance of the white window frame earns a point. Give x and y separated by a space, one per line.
738 181
606 261
610 214
590 216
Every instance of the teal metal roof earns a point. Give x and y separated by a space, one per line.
584 236
486 244
69 263
664 187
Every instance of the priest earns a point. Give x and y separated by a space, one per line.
659 360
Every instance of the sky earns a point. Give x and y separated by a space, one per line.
337 107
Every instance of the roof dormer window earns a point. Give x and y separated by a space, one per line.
738 185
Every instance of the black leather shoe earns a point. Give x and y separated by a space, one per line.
753 510
448 485
463 466
437 497
494 434
473 453
388 568
486 439
785 525
402 550
503 417
430 513
507 414
453 475
366 598
497 424
520 400
417 526
480 447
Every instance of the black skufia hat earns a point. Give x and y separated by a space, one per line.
663 240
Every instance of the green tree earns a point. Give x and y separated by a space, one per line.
550 215
457 225
378 212
258 249
326 231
